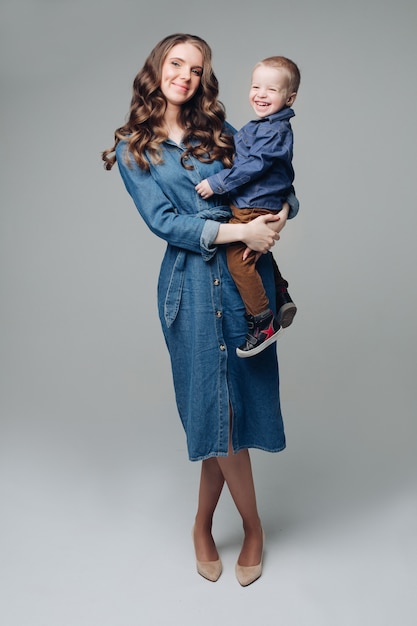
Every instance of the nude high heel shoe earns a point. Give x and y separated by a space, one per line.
210 570
247 575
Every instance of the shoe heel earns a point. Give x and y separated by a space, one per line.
286 314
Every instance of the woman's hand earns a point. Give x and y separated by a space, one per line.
276 223
277 226
260 234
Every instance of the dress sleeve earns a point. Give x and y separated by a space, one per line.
294 204
183 231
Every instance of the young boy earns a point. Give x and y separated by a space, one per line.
259 182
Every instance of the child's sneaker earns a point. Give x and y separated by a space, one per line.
286 308
263 329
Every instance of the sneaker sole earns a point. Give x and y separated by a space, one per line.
245 354
286 314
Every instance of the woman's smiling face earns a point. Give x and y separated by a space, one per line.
181 74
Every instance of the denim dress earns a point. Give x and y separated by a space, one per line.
202 314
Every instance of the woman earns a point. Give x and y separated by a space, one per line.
175 136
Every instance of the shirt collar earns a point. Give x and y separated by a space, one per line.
284 114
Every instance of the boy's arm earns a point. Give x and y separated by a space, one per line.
261 156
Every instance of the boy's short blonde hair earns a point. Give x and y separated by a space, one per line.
283 63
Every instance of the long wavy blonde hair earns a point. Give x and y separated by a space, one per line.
202 117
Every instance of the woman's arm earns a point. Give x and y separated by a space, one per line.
159 213
259 234
187 231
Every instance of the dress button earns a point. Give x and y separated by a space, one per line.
218 313
222 347
216 281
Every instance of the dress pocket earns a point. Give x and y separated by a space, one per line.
174 291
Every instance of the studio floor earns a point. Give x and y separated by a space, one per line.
94 533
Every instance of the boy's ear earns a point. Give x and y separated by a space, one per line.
291 98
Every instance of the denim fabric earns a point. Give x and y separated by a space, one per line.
262 172
202 314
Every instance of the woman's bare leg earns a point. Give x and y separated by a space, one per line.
237 472
211 485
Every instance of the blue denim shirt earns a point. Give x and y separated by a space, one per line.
202 314
262 172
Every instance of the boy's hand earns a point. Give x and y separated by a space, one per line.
204 189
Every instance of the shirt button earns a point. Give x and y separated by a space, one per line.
216 281
222 347
218 313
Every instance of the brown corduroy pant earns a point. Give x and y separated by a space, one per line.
244 272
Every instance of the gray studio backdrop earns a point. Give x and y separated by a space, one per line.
86 395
